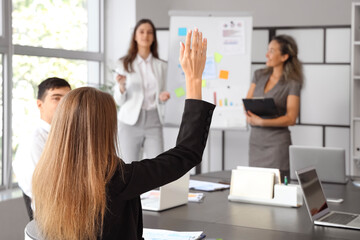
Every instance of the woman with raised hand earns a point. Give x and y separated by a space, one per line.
82 190
140 93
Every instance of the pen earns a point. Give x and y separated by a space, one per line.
115 71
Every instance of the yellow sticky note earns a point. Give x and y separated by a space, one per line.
179 92
224 74
203 84
218 57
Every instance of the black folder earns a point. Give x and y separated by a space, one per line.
263 107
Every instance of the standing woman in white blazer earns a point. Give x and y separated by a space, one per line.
140 94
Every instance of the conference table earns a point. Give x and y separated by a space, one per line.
219 218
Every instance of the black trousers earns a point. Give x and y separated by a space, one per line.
28 206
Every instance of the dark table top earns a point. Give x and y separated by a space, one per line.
220 218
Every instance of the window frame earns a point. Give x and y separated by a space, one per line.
7 49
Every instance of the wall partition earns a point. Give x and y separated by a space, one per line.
325 102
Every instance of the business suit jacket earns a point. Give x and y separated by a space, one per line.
131 100
123 218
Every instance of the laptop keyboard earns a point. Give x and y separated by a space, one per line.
339 218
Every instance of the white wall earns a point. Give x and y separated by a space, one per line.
265 12
274 13
120 19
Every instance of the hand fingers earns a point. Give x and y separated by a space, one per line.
199 43
187 42
120 78
204 47
195 41
182 48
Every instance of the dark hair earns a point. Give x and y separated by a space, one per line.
51 83
133 49
292 66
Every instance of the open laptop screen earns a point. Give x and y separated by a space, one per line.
314 196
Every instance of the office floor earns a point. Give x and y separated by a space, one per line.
13 218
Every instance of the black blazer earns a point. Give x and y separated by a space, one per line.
123 218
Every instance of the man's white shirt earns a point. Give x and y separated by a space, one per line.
28 155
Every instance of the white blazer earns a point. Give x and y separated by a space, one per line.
131 100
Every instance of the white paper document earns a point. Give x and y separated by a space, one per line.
192 197
161 234
206 186
196 197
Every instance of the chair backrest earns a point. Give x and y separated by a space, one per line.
329 162
31 232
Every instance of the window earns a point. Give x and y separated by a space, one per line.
49 38
1 119
61 24
28 72
1 18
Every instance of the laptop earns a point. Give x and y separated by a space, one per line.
317 207
329 162
168 196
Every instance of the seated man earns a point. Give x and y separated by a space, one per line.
50 92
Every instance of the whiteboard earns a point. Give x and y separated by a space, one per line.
226 77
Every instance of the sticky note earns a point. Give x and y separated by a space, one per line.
218 57
182 31
203 83
179 92
224 74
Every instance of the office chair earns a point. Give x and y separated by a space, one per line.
31 232
29 210
328 161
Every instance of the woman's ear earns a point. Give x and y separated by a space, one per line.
284 57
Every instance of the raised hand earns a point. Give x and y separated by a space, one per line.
192 59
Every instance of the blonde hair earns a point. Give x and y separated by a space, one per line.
79 159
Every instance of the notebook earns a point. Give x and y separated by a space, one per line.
169 196
329 162
317 207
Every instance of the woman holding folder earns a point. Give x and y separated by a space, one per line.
281 80
82 190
